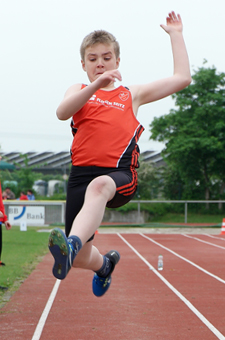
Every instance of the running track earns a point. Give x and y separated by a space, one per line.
184 301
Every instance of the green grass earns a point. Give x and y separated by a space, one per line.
168 219
22 251
191 218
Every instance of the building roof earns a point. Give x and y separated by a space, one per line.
153 157
45 162
59 162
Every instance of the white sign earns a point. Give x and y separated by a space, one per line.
30 215
23 226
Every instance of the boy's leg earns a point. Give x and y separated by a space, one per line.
103 266
98 193
102 278
126 184
88 257
101 190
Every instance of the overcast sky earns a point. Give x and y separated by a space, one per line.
40 41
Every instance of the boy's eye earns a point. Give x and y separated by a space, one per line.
107 58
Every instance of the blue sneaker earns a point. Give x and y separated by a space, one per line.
100 285
62 251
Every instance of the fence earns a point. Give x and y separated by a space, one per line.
35 212
53 212
219 202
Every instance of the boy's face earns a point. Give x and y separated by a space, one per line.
98 59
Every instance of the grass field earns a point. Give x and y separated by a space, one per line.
192 218
22 251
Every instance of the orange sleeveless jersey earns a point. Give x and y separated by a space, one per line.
106 131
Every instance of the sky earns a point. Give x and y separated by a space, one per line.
40 60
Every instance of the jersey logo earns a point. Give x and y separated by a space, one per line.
124 95
93 97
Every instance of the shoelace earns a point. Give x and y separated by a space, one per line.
103 281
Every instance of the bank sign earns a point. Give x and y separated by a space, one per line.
28 214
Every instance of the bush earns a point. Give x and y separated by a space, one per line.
55 197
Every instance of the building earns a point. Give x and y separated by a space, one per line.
47 163
54 163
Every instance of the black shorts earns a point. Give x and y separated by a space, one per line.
80 177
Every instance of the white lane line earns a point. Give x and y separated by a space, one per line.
198 239
43 318
218 238
183 258
208 324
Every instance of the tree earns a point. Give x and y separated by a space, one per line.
149 183
194 133
23 176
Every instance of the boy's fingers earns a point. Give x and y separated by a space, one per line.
164 27
116 75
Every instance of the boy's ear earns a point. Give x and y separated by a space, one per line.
117 62
83 65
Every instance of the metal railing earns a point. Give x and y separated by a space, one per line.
181 201
53 212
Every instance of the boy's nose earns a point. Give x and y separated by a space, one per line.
100 63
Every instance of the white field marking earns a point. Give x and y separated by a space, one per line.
208 324
183 258
198 239
216 237
43 318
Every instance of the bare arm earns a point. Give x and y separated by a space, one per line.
75 98
8 225
143 94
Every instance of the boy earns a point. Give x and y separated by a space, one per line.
104 151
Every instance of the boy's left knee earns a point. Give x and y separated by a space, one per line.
103 185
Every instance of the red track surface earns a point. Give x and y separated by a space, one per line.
139 304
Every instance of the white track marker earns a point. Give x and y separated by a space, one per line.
43 318
198 239
183 258
218 238
215 331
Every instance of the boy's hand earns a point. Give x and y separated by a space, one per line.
108 77
173 23
8 225
1 214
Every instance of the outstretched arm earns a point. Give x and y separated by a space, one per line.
143 94
75 98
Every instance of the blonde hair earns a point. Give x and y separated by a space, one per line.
99 37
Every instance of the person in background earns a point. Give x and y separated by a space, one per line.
30 195
3 219
4 195
23 196
9 193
